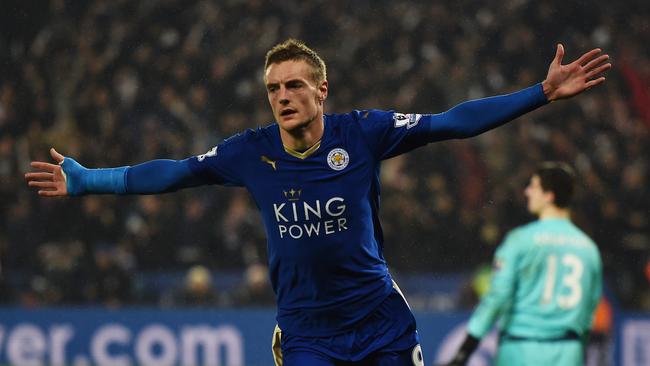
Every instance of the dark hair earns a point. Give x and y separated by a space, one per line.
292 50
559 178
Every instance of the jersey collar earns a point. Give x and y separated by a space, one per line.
304 154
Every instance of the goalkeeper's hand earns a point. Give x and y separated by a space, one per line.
464 352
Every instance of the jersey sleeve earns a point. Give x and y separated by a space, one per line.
221 164
390 133
502 287
159 176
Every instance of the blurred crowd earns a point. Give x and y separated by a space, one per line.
118 82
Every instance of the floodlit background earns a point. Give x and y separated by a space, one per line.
118 82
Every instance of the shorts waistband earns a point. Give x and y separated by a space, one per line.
568 336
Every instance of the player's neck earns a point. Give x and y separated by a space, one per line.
554 212
304 137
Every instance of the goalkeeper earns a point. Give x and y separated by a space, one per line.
547 281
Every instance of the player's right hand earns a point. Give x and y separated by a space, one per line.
50 179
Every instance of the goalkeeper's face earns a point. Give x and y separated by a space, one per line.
295 97
538 199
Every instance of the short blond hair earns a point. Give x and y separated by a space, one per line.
294 50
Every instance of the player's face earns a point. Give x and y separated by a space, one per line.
537 198
296 99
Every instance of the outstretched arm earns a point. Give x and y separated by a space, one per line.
69 178
562 81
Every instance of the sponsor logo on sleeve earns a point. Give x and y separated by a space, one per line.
212 152
409 120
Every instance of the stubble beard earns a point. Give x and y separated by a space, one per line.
302 126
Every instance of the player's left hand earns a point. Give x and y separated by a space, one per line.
565 81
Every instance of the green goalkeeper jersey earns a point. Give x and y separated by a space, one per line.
547 281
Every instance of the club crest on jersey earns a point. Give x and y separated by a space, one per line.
409 120
338 159
212 152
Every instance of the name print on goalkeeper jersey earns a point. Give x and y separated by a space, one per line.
320 212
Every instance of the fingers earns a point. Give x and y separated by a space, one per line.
588 56
56 156
42 184
597 61
39 176
47 188
592 83
50 180
599 70
49 193
44 166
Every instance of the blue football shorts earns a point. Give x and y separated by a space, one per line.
388 336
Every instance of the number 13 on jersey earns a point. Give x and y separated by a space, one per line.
570 288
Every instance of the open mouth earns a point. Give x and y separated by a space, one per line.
287 112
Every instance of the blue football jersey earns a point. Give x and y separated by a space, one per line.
320 212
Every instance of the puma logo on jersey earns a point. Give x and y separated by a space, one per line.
268 161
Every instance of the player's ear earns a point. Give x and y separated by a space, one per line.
550 197
322 89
